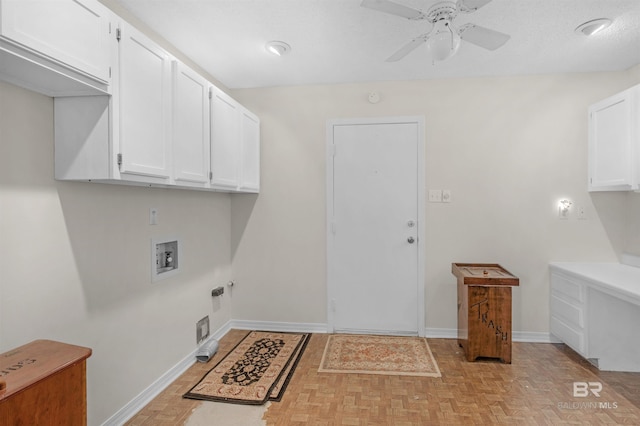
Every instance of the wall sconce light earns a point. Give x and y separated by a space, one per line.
563 208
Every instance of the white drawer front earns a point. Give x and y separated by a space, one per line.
574 315
567 287
573 338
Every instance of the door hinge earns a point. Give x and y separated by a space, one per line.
118 34
333 228
333 150
210 93
119 159
210 175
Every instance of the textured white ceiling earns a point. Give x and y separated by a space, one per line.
337 41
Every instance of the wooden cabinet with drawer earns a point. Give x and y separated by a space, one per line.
43 383
484 310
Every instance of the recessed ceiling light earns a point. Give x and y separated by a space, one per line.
591 27
277 48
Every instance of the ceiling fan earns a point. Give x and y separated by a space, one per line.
444 38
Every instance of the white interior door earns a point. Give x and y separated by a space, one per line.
373 229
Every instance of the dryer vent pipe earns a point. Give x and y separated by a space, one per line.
206 351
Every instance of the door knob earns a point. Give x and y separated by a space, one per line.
411 240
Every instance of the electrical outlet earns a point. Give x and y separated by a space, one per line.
581 213
202 329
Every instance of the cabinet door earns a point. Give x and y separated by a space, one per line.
611 151
225 140
73 32
191 139
250 152
144 93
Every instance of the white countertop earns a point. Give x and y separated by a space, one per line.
617 279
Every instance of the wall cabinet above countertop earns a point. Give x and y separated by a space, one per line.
235 144
125 110
163 126
614 142
39 46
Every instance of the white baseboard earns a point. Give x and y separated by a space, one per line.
533 337
147 395
140 401
292 327
441 333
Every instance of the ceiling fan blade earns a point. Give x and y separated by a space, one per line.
483 37
393 8
471 5
407 48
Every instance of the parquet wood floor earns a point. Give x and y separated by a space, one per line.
536 389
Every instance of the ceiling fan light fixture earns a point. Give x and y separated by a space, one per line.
592 27
443 42
277 48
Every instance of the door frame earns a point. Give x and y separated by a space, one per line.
421 218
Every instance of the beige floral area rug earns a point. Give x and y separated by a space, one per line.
258 369
368 354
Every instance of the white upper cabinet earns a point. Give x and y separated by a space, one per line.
125 137
225 140
56 47
235 145
191 139
614 142
144 106
249 152
163 125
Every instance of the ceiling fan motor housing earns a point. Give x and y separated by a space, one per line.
444 10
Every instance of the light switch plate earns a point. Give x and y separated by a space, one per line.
153 216
435 195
